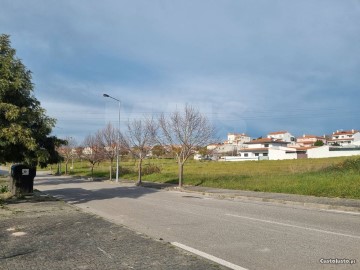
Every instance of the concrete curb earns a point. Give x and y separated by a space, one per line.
313 205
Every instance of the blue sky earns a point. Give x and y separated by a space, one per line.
252 66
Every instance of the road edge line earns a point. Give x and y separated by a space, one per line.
208 256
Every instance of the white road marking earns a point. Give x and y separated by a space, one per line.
295 226
209 257
18 234
341 212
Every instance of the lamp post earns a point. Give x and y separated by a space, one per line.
118 142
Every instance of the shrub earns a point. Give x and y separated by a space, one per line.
347 165
150 169
125 170
4 189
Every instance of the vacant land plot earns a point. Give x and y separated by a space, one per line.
331 177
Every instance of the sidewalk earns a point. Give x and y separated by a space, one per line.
290 199
41 233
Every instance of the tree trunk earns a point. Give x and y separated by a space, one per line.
181 174
66 166
139 172
92 171
111 170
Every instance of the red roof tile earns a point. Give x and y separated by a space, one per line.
345 132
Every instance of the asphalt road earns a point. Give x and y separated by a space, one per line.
252 235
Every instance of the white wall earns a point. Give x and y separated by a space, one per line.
356 138
237 158
323 152
280 154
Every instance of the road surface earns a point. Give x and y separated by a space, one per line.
247 235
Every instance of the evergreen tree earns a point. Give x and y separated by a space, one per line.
24 126
319 143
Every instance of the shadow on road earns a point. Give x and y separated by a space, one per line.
58 180
79 191
81 195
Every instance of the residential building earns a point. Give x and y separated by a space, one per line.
282 135
266 143
238 138
345 138
309 140
267 148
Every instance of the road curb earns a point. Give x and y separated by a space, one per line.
313 205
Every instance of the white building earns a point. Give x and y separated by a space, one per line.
238 138
267 148
344 138
266 143
282 135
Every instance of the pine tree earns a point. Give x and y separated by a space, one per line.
24 126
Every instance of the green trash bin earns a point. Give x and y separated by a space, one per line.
22 179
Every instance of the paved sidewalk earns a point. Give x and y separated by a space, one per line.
42 233
292 199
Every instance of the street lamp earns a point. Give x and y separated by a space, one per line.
118 137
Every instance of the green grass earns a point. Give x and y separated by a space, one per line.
331 177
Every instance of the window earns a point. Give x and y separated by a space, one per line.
265 154
246 155
256 154
266 145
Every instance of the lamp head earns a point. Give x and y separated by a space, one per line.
105 95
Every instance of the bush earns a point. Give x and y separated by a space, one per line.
125 170
4 189
150 169
347 165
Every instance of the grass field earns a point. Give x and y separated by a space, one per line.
331 177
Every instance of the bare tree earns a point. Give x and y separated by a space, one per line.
68 151
109 142
93 151
185 132
138 139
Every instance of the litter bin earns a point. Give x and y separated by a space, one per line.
22 179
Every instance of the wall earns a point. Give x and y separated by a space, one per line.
323 152
280 154
237 158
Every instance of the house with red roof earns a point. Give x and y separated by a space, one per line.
345 138
266 148
282 135
309 140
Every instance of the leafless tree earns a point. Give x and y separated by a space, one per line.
93 151
185 132
138 139
68 151
109 141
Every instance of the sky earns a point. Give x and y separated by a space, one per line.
254 66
